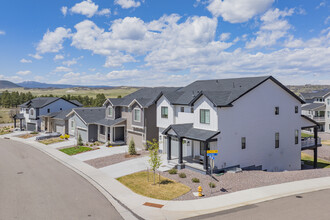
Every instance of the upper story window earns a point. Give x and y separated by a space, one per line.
328 100
48 110
182 109
31 112
243 141
277 140
328 112
61 109
137 115
296 109
110 111
72 125
164 112
27 111
296 136
277 110
204 116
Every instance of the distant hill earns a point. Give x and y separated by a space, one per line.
4 84
38 85
307 88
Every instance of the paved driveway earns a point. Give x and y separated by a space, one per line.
35 186
102 152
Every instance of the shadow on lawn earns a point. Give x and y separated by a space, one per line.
319 164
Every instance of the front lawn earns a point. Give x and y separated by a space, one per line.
325 142
309 160
26 136
75 150
305 135
167 189
51 141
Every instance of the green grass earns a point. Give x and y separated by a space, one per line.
75 150
309 160
304 135
167 189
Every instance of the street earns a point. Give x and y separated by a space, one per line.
35 186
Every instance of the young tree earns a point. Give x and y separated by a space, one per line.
131 147
155 160
79 141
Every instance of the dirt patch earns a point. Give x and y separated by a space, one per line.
26 136
113 159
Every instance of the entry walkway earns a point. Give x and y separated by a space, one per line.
102 152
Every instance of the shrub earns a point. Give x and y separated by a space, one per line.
62 137
80 141
131 148
173 171
34 132
195 180
182 175
66 136
212 185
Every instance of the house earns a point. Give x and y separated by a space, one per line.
253 122
317 107
31 112
56 122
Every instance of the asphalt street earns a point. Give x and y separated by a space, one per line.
35 186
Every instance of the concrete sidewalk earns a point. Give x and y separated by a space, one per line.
102 152
178 209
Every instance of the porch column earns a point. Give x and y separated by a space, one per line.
169 147
315 149
206 160
14 122
180 151
21 124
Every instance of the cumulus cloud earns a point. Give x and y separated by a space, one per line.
24 72
128 3
53 41
64 10
58 57
224 36
104 11
2 32
25 61
238 11
87 8
72 62
62 69
36 56
117 59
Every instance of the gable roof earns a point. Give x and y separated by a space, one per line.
41 102
221 92
90 115
110 122
77 103
312 106
59 115
316 94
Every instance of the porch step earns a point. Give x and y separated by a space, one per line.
167 166
234 170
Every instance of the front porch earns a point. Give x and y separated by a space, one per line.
311 143
187 146
112 131
21 119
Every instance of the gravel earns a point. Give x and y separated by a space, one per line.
232 182
322 152
112 159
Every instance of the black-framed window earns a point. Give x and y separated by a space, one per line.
48 110
243 141
296 109
164 112
277 140
102 130
277 110
204 116
182 109
296 137
191 110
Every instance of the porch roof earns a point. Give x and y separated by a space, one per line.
189 132
18 116
109 122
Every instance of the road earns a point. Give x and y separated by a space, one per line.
35 186
314 205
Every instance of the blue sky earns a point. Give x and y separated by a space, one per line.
155 42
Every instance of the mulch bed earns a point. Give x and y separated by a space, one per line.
232 182
112 159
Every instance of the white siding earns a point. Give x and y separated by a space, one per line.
327 114
164 122
204 103
183 117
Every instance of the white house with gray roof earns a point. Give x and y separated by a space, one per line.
254 123
32 111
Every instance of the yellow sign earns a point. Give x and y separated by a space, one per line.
212 151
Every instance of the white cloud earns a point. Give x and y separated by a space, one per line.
128 3
62 69
224 36
72 62
64 10
36 56
327 20
238 11
87 8
53 41
2 32
118 59
273 27
104 11
58 57
25 61
24 73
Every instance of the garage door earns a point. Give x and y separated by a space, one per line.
137 139
60 129
83 134
31 126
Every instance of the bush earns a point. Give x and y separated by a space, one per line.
80 141
212 185
62 137
173 171
131 148
182 175
34 132
66 136
195 180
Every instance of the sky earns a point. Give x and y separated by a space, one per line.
164 42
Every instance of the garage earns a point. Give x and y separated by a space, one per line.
137 139
31 126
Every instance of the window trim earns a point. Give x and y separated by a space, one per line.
134 110
201 116
243 143
296 136
31 112
110 108
102 128
296 109
277 140
277 110
181 109
162 112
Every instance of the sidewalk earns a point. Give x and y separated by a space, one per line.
177 209
102 152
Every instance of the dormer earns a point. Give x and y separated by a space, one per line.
112 111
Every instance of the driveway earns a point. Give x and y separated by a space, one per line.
102 152
35 186
128 167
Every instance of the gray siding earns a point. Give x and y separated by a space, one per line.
83 134
117 112
151 123
141 124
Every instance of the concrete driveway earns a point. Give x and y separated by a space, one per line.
102 152
35 186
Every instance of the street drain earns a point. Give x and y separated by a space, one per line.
20 172
299 197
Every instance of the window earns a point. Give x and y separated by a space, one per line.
277 110
202 149
137 115
110 110
277 140
328 112
328 101
48 110
205 116
296 137
60 109
72 125
243 142
27 111
296 109
182 109
164 112
192 110
102 130
31 112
